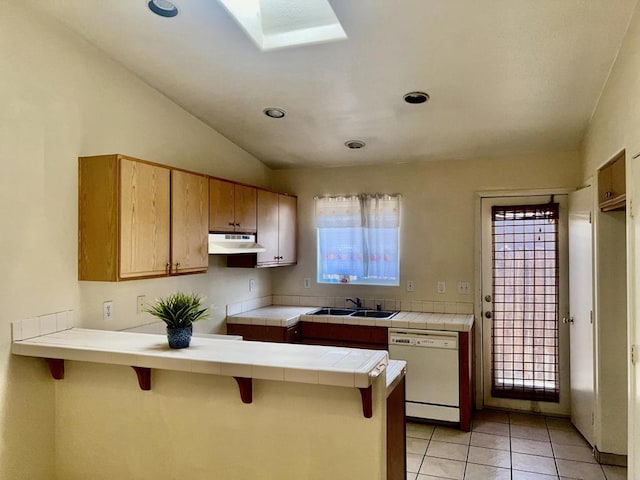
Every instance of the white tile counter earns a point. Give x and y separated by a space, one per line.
321 365
285 316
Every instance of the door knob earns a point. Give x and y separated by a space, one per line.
488 314
568 320
487 298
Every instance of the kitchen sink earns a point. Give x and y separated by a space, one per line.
374 313
333 311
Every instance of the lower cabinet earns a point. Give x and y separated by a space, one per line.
396 433
355 336
263 333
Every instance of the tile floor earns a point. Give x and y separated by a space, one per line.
503 445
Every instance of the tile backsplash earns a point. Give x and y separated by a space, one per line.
465 308
42 325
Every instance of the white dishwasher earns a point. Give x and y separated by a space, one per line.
432 379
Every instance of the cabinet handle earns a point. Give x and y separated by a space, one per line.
168 267
276 258
177 266
231 224
608 194
237 224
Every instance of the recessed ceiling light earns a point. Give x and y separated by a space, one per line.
354 144
416 97
274 24
274 112
164 8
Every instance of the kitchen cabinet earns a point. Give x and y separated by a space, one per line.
355 336
232 207
266 333
139 219
276 228
276 232
612 184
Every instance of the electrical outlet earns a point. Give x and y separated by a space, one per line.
442 287
252 285
307 283
409 285
107 311
140 304
464 288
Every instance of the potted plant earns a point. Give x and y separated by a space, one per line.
179 310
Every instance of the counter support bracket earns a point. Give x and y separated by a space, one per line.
56 367
144 377
367 401
246 389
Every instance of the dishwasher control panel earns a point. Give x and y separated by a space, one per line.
422 339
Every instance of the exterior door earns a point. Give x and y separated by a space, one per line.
525 347
580 320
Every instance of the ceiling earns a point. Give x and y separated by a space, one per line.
505 76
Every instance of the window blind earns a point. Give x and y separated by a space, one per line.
525 302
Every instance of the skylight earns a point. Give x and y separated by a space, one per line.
274 24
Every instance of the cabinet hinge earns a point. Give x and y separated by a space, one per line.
591 317
631 208
634 354
590 217
593 419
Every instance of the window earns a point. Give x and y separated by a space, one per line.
525 303
358 238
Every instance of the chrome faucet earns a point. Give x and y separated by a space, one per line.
357 302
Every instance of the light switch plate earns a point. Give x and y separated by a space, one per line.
464 288
409 285
252 285
140 304
307 283
442 287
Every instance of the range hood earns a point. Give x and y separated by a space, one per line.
230 243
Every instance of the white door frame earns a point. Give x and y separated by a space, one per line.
479 333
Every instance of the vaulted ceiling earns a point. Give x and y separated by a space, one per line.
504 76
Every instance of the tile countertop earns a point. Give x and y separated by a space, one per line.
283 316
313 364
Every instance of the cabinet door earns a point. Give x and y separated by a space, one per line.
287 207
268 227
189 222
144 219
245 209
221 206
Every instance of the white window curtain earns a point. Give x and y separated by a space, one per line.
358 239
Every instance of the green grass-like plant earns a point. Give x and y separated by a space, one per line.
179 310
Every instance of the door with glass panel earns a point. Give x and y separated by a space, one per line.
524 296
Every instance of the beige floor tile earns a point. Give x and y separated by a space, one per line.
578 453
484 472
614 473
584 471
533 463
413 462
427 477
417 446
488 440
419 430
451 435
451 451
491 416
494 428
531 447
559 423
530 432
488 456
442 468
567 437
411 476
517 418
518 475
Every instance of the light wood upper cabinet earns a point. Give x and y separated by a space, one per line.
612 184
144 219
276 228
189 222
232 207
125 227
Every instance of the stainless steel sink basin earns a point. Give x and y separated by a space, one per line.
333 311
374 313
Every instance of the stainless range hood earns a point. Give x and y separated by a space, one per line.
231 243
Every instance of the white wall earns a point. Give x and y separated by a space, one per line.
438 217
61 98
616 125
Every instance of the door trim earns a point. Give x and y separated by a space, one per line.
478 357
